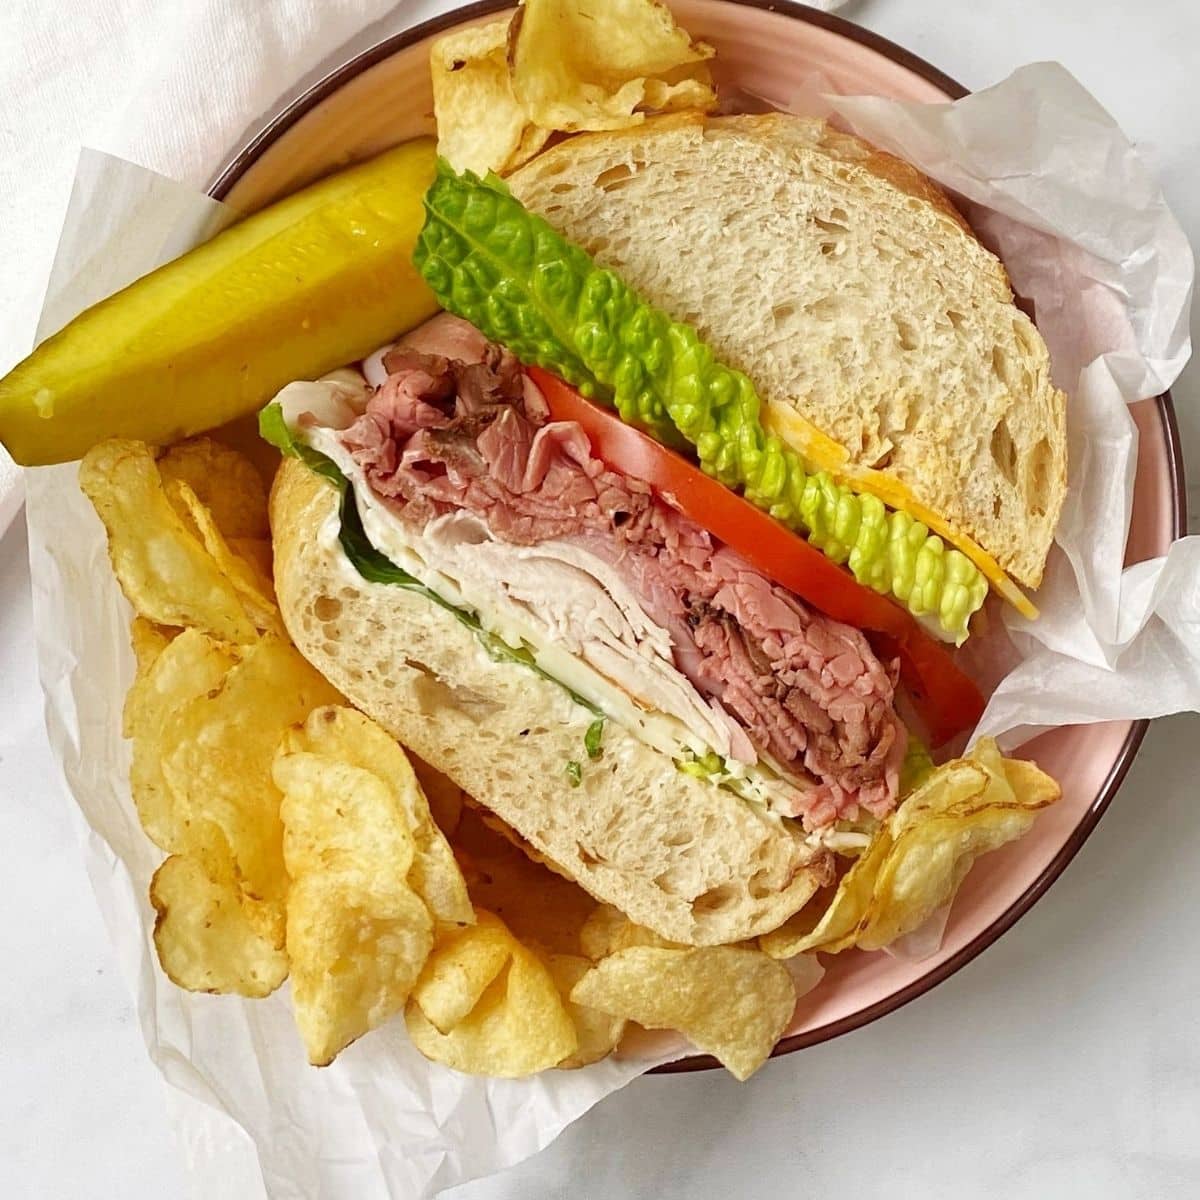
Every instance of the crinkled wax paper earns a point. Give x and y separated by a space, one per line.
1051 182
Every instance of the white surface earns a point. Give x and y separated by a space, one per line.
1065 1059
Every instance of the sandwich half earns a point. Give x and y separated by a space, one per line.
848 288
675 634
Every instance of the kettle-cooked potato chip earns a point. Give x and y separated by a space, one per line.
608 930
598 1032
466 963
480 125
357 933
164 570
148 641
445 797
203 939
217 752
256 593
347 736
518 1025
920 855
593 64
187 668
730 1002
226 483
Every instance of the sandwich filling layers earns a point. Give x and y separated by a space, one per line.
463 481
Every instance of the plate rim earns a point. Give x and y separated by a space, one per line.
244 156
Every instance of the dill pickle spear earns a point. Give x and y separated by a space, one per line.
316 280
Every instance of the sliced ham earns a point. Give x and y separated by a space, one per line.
457 427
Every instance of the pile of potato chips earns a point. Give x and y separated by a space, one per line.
503 89
302 840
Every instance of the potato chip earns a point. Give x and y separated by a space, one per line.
445 797
532 142
730 1002
586 64
926 865
148 641
832 928
608 930
480 125
466 963
185 669
540 907
226 483
163 569
357 934
695 92
921 853
202 937
258 553
1032 787
518 1026
256 593
217 753
597 1032
340 818
345 735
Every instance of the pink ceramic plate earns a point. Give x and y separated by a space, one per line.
382 97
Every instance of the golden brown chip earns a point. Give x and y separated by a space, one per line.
926 865
257 552
730 1002
203 940
187 668
598 1032
518 1026
217 752
164 570
480 125
921 853
357 933
532 142
586 64
148 641
608 930
347 736
256 593
466 963
1032 787
445 797
832 928
541 907
226 483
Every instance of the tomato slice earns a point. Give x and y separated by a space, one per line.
948 701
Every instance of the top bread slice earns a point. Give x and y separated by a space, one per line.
847 287
681 856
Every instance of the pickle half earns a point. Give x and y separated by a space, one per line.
316 280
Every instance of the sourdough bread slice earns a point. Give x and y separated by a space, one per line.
679 855
847 287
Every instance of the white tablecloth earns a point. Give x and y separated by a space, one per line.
1065 1062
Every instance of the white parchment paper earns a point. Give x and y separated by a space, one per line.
1054 186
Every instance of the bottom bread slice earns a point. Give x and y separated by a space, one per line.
686 858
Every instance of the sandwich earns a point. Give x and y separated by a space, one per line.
659 539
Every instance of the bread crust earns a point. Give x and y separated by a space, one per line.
685 858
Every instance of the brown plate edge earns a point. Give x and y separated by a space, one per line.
234 167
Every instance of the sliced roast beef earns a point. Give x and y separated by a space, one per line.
444 434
